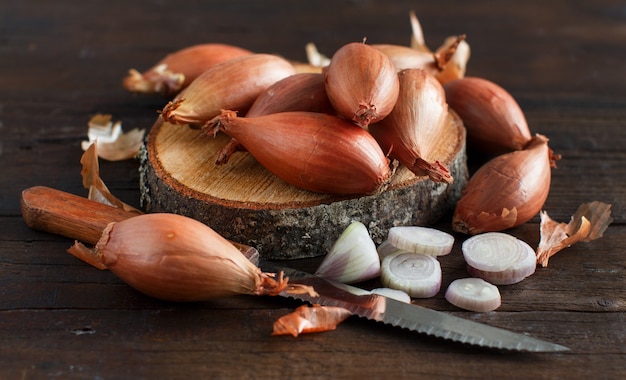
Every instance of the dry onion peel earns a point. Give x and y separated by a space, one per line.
113 143
98 191
352 258
587 224
176 258
310 319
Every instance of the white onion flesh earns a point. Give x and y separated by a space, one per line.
386 248
396 294
521 269
352 258
416 274
428 241
492 251
473 294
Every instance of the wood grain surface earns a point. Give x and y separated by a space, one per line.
63 61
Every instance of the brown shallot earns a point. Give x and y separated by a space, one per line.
361 83
415 125
313 151
298 92
233 84
176 258
506 191
494 121
178 69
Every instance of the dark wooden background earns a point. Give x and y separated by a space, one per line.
63 61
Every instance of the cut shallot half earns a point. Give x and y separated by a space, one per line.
416 274
352 258
426 240
473 294
522 268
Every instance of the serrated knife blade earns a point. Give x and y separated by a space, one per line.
409 316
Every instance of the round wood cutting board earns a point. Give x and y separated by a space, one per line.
246 203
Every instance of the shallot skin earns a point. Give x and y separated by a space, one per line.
361 83
178 69
507 191
314 151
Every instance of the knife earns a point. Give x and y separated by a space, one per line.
72 216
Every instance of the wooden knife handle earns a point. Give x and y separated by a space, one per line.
68 215
75 217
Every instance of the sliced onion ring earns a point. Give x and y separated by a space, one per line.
522 268
492 251
416 274
428 241
473 294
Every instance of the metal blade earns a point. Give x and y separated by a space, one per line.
413 317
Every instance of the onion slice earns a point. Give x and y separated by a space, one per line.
522 268
386 248
352 258
428 241
416 274
396 294
492 251
473 294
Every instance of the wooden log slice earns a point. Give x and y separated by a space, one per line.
245 203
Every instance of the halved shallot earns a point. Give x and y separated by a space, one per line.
352 258
416 274
233 85
313 151
416 124
361 83
473 294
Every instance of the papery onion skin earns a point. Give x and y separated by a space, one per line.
361 83
415 125
494 121
313 151
178 69
507 191
175 258
234 85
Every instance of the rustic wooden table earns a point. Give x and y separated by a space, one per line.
62 61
